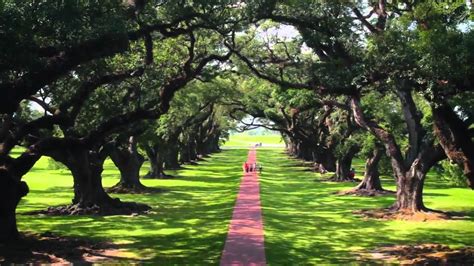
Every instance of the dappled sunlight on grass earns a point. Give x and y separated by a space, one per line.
305 223
188 223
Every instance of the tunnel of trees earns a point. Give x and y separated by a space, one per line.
165 81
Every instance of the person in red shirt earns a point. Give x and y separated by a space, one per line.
246 167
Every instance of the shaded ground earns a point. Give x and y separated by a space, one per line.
50 248
427 254
364 192
122 208
388 214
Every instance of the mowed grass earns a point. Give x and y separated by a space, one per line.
244 140
188 225
306 224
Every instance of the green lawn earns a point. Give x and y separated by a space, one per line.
189 223
304 223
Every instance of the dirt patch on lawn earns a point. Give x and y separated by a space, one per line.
335 180
117 208
50 248
135 190
364 192
388 214
424 254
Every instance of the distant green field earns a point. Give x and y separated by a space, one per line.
244 140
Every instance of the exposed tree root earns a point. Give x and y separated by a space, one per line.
391 214
49 248
424 254
133 189
104 209
334 178
161 176
174 168
365 192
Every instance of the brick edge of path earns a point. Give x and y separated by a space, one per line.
245 239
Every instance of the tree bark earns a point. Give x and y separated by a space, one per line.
343 165
155 156
11 191
193 154
172 160
455 138
291 147
184 154
304 150
371 181
410 190
129 162
86 172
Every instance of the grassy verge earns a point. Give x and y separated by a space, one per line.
188 225
306 224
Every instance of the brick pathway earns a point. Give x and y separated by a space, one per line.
245 242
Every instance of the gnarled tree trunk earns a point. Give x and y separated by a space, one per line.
455 138
156 158
11 191
343 165
171 159
129 162
410 189
90 197
371 181
410 175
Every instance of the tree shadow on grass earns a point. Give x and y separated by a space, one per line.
187 225
305 224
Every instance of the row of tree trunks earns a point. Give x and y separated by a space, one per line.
323 157
410 176
86 167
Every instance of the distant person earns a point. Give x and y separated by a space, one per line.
255 167
260 168
245 167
